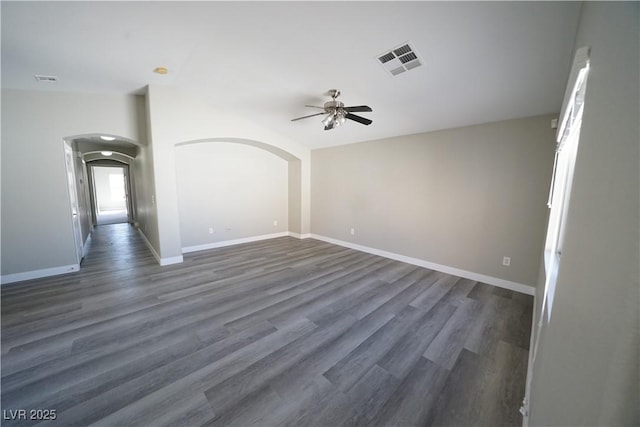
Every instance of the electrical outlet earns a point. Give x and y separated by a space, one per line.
353 231
275 222
506 261
210 230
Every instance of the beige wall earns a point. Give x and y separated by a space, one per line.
144 183
463 198
37 237
295 197
36 217
176 117
235 189
586 367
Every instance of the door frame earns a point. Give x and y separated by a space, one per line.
92 187
74 206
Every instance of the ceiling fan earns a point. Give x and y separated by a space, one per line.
337 113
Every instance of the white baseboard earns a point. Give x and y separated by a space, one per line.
224 243
532 347
171 260
37 274
161 261
298 235
149 245
495 281
87 243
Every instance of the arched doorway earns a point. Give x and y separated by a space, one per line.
79 150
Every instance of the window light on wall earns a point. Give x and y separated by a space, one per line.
567 138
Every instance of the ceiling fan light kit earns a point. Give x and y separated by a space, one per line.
337 113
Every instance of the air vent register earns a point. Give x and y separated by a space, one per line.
400 59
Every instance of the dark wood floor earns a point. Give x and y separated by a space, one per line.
279 332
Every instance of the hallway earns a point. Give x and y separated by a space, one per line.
112 217
117 243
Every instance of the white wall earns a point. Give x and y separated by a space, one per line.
235 189
460 198
176 117
586 367
36 218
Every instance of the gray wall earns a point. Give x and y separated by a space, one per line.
462 198
36 217
235 189
586 368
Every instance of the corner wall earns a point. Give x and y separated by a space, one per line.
461 198
176 117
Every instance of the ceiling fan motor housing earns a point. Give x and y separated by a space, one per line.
332 106
337 113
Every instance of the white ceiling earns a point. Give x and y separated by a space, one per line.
483 61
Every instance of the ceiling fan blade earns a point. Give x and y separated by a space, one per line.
358 109
306 117
313 106
358 119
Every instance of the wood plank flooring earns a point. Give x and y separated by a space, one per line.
283 332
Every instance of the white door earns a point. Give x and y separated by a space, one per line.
127 184
73 197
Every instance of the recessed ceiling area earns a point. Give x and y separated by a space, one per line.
480 61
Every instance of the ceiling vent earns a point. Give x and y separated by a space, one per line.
48 79
399 59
